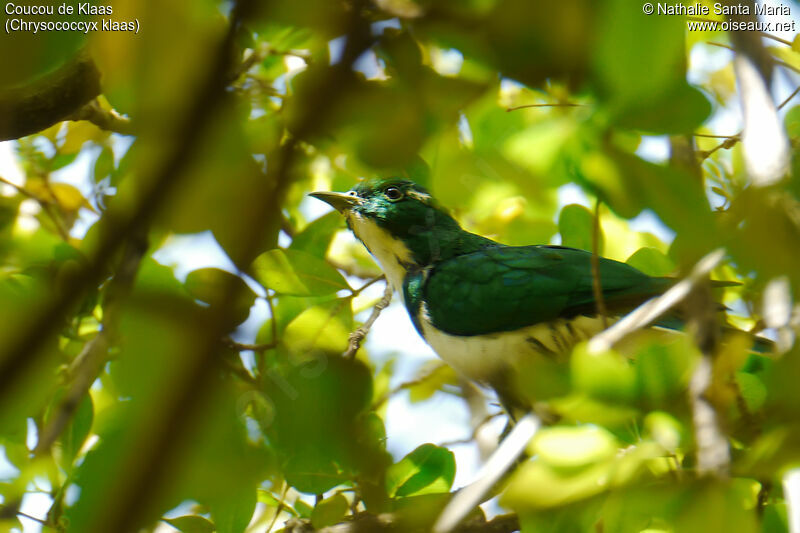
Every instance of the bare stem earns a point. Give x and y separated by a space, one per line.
597 286
359 334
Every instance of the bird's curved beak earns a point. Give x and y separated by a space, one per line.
338 200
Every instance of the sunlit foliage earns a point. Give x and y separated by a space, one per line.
123 397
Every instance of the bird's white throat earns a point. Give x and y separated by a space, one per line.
391 253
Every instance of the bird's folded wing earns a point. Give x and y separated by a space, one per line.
505 288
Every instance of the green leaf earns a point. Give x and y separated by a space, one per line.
605 376
663 369
104 165
191 524
752 389
652 262
578 463
326 326
570 448
658 99
329 511
74 436
576 225
209 285
792 122
681 110
303 509
232 512
297 273
316 237
538 146
426 470
436 375
62 160
267 498
319 430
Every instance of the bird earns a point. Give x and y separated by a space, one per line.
481 305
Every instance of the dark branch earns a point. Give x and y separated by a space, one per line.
53 98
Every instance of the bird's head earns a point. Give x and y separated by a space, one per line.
396 217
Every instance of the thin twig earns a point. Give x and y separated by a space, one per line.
22 190
358 335
352 269
279 507
789 98
242 347
490 473
38 520
731 140
358 291
105 119
774 59
526 106
45 205
597 286
486 419
408 384
715 136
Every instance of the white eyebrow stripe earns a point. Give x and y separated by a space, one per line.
419 195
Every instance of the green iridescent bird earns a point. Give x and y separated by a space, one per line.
481 305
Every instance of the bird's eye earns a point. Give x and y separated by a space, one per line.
352 193
393 193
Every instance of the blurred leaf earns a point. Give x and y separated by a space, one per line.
605 376
587 465
752 390
329 511
191 524
792 122
663 370
431 378
209 284
103 165
573 447
660 101
652 262
61 160
303 509
323 400
316 238
576 225
538 146
426 470
664 429
232 512
680 111
78 133
297 273
326 326
73 437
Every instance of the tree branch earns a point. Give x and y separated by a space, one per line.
87 365
386 522
105 119
358 335
53 98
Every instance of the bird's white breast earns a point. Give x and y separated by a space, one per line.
480 357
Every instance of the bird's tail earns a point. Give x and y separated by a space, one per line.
759 345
